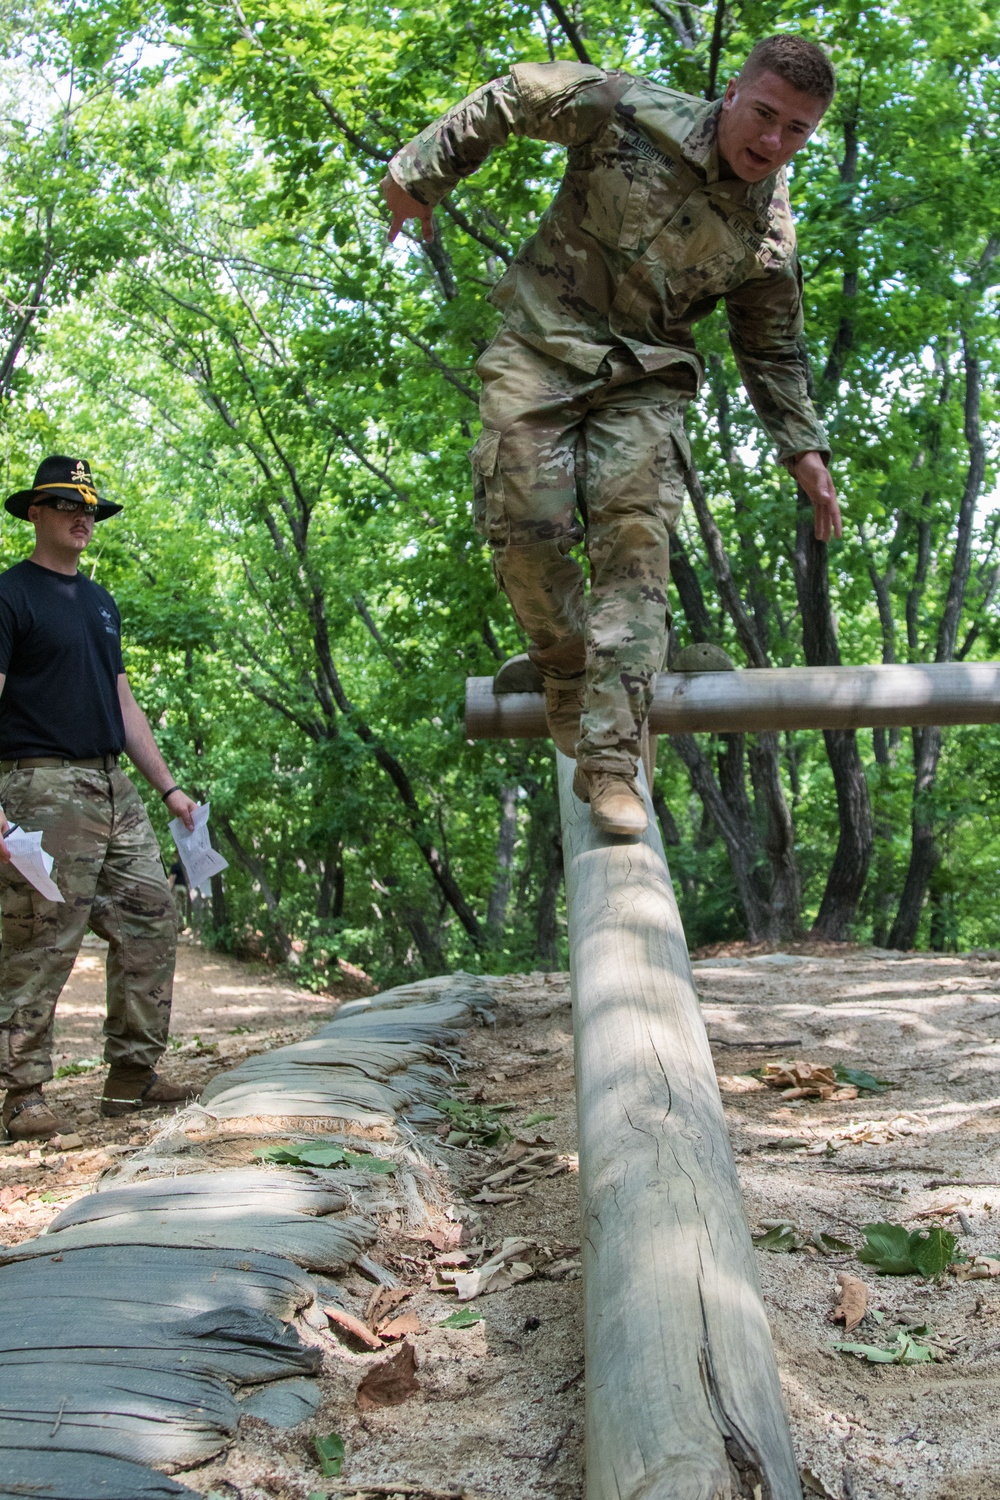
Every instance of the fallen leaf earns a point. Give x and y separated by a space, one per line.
905 1351
862 1079
982 1268
852 1303
330 1452
779 1238
398 1328
456 1259
896 1251
383 1301
345 1323
478 1283
465 1317
390 1383
17 1192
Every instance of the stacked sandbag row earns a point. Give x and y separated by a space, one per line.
130 1325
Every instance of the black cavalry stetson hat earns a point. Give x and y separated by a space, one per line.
67 479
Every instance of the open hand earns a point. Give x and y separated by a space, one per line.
4 828
403 207
813 475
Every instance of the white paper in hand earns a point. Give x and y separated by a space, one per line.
30 860
195 850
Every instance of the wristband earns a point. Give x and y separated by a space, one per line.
169 792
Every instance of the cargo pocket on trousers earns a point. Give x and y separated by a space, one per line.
489 512
673 459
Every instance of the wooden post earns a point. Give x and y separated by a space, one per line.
683 1397
954 692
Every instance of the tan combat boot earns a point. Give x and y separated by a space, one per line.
563 707
27 1117
128 1088
616 803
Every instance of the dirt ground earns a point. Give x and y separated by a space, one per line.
497 1409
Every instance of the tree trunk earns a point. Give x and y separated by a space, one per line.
784 918
924 853
738 835
546 927
427 942
496 914
856 840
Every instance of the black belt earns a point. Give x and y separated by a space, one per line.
42 762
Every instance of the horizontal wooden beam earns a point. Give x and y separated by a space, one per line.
774 698
683 1400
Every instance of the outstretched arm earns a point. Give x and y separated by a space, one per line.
561 102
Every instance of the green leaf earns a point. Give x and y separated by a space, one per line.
330 1452
536 1119
861 1079
465 1317
319 1154
932 1250
896 1251
870 1352
73 1069
778 1240
905 1351
836 1246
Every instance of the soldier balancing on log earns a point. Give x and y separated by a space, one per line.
66 714
668 204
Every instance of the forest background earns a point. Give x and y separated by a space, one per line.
199 298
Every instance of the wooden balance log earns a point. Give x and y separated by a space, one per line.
683 1396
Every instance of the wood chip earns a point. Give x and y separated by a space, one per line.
346 1324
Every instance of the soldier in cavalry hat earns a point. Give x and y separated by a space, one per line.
67 713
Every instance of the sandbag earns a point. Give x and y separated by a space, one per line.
70 1475
267 1192
164 1282
286 1403
326 1244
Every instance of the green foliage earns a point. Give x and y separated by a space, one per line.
320 1153
465 1317
896 1251
861 1079
330 1451
907 1349
475 1124
199 297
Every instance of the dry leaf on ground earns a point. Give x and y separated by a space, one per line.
390 1383
802 1080
983 1268
398 1328
852 1301
383 1301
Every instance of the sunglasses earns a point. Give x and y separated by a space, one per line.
68 507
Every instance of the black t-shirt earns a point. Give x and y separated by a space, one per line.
60 648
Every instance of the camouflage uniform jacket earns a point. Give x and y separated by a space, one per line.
643 236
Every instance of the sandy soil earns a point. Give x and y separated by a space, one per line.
497 1409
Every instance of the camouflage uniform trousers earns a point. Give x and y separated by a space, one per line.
108 868
560 447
